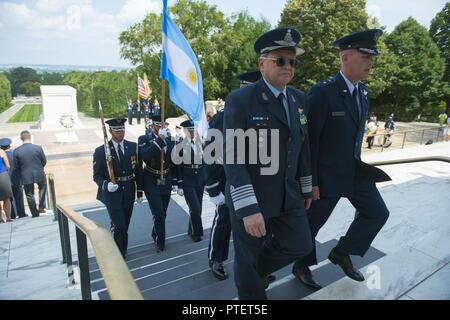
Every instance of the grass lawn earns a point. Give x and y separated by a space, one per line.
28 113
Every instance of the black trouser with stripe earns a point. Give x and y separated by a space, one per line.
220 235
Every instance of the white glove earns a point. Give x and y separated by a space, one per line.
140 199
218 200
112 187
180 192
164 132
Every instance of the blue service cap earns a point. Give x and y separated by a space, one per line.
188 124
5 142
249 77
116 124
364 41
156 120
286 38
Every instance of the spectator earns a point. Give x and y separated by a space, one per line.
30 160
442 120
17 206
371 131
5 186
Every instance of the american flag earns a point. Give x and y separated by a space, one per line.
143 88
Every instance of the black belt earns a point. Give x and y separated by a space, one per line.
193 166
125 179
151 170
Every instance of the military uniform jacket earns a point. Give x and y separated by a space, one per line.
255 107
336 136
130 170
215 173
150 146
192 173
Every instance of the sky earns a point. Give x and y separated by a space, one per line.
85 32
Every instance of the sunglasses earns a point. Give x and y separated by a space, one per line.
280 61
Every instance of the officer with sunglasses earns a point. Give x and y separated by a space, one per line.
336 121
268 217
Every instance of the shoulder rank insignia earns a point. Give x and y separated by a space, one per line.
303 119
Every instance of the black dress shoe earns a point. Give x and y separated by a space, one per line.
346 264
305 276
268 280
196 238
218 270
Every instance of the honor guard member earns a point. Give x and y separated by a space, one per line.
157 191
130 112
268 217
192 178
338 111
215 186
139 107
119 197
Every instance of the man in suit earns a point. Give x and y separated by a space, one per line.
30 160
17 205
268 218
157 190
192 178
118 197
336 118
215 186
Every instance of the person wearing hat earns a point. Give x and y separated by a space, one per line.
192 178
156 190
118 197
336 121
30 160
130 112
17 205
268 219
215 186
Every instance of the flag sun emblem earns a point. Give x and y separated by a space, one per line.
192 76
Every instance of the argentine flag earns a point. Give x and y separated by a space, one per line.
180 68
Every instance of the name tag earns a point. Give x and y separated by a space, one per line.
338 114
261 121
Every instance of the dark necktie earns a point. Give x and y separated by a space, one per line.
356 102
121 156
281 102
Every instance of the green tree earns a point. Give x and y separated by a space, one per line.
83 83
112 89
18 76
5 93
30 88
320 23
52 78
421 68
440 33
222 45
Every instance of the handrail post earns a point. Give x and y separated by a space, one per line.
83 264
65 223
61 235
404 138
437 138
421 138
51 188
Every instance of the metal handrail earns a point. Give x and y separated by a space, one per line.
410 160
115 272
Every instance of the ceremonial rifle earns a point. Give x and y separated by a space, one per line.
107 147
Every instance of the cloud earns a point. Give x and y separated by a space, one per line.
135 10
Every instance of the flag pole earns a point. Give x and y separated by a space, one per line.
163 100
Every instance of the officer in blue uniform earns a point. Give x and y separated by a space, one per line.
17 204
336 119
192 178
140 106
215 186
268 216
119 197
130 112
157 191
